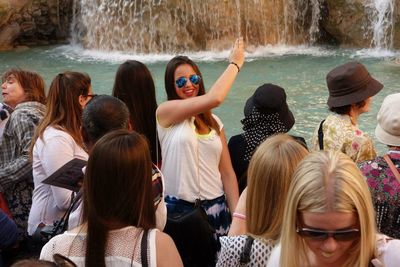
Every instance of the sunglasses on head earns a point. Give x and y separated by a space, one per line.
181 81
321 235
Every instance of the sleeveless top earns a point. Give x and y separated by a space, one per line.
122 249
190 161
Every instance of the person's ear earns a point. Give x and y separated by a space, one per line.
130 127
82 100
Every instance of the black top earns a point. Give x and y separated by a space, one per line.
237 147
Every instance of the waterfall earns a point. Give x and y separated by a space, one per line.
168 26
315 20
381 19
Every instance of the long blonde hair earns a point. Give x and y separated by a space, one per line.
269 175
327 181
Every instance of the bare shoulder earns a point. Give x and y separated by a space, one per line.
167 253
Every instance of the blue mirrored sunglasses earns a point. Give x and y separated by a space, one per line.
321 235
194 79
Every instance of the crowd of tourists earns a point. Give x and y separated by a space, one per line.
118 180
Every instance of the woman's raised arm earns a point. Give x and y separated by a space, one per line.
175 111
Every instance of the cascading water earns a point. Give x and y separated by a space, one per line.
160 26
315 20
381 20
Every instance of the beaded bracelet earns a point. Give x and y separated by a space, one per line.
234 63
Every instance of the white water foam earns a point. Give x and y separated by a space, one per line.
376 53
77 53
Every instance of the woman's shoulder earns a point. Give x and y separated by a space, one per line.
274 259
162 239
57 134
387 251
55 131
372 168
218 120
233 246
337 121
59 244
232 242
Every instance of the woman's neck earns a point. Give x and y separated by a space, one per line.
354 114
201 126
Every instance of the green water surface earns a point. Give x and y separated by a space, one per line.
302 76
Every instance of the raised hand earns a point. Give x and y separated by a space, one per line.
237 54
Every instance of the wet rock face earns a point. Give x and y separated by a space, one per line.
34 22
350 23
396 39
182 25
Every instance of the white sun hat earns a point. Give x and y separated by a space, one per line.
388 129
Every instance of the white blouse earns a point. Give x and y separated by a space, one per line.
51 152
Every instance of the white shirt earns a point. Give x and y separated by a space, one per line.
51 152
191 161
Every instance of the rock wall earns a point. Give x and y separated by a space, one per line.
34 22
348 22
164 25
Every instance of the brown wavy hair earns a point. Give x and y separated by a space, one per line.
31 82
64 112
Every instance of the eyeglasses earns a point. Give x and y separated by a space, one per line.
320 235
181 81
91 95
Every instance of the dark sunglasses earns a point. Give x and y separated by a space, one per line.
340 235
194 79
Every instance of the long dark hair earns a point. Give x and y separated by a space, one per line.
134 85
172 65
117 190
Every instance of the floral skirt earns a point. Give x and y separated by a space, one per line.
216 209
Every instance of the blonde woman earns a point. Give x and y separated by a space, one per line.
269 175
329 218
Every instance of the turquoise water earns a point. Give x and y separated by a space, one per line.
300 70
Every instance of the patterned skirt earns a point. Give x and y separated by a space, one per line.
216 209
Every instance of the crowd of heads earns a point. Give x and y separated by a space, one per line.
288 188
